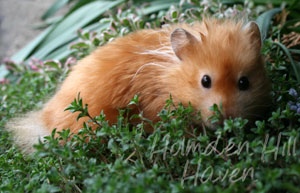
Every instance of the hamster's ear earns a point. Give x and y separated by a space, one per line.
253 30
182 41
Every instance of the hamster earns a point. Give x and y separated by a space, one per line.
206 63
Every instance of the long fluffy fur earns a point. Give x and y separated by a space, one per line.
27 131
145 63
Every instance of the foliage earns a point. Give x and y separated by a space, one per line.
178 156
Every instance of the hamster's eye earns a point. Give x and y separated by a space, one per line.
206 81
243 83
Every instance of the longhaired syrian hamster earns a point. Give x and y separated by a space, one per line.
206 63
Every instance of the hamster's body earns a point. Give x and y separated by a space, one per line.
156 63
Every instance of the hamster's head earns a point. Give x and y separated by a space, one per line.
221 63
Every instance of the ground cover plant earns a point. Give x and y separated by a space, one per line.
236 157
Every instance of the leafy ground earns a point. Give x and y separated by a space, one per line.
234 158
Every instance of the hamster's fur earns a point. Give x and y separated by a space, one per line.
155 63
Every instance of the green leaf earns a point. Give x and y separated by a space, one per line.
274 2
230 2
65 31
264 21
60 53
79 4
28 49
48 22
294 65
65 51
157 6
54 8
296 51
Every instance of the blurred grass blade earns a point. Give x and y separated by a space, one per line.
60 53
294 51
64 51
46 49
157 6
79 4
65 31
264 21
294 65
47 22
29 48
81 17
54 8
231 2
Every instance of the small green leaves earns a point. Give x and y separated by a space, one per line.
134 101
77 106
217 115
